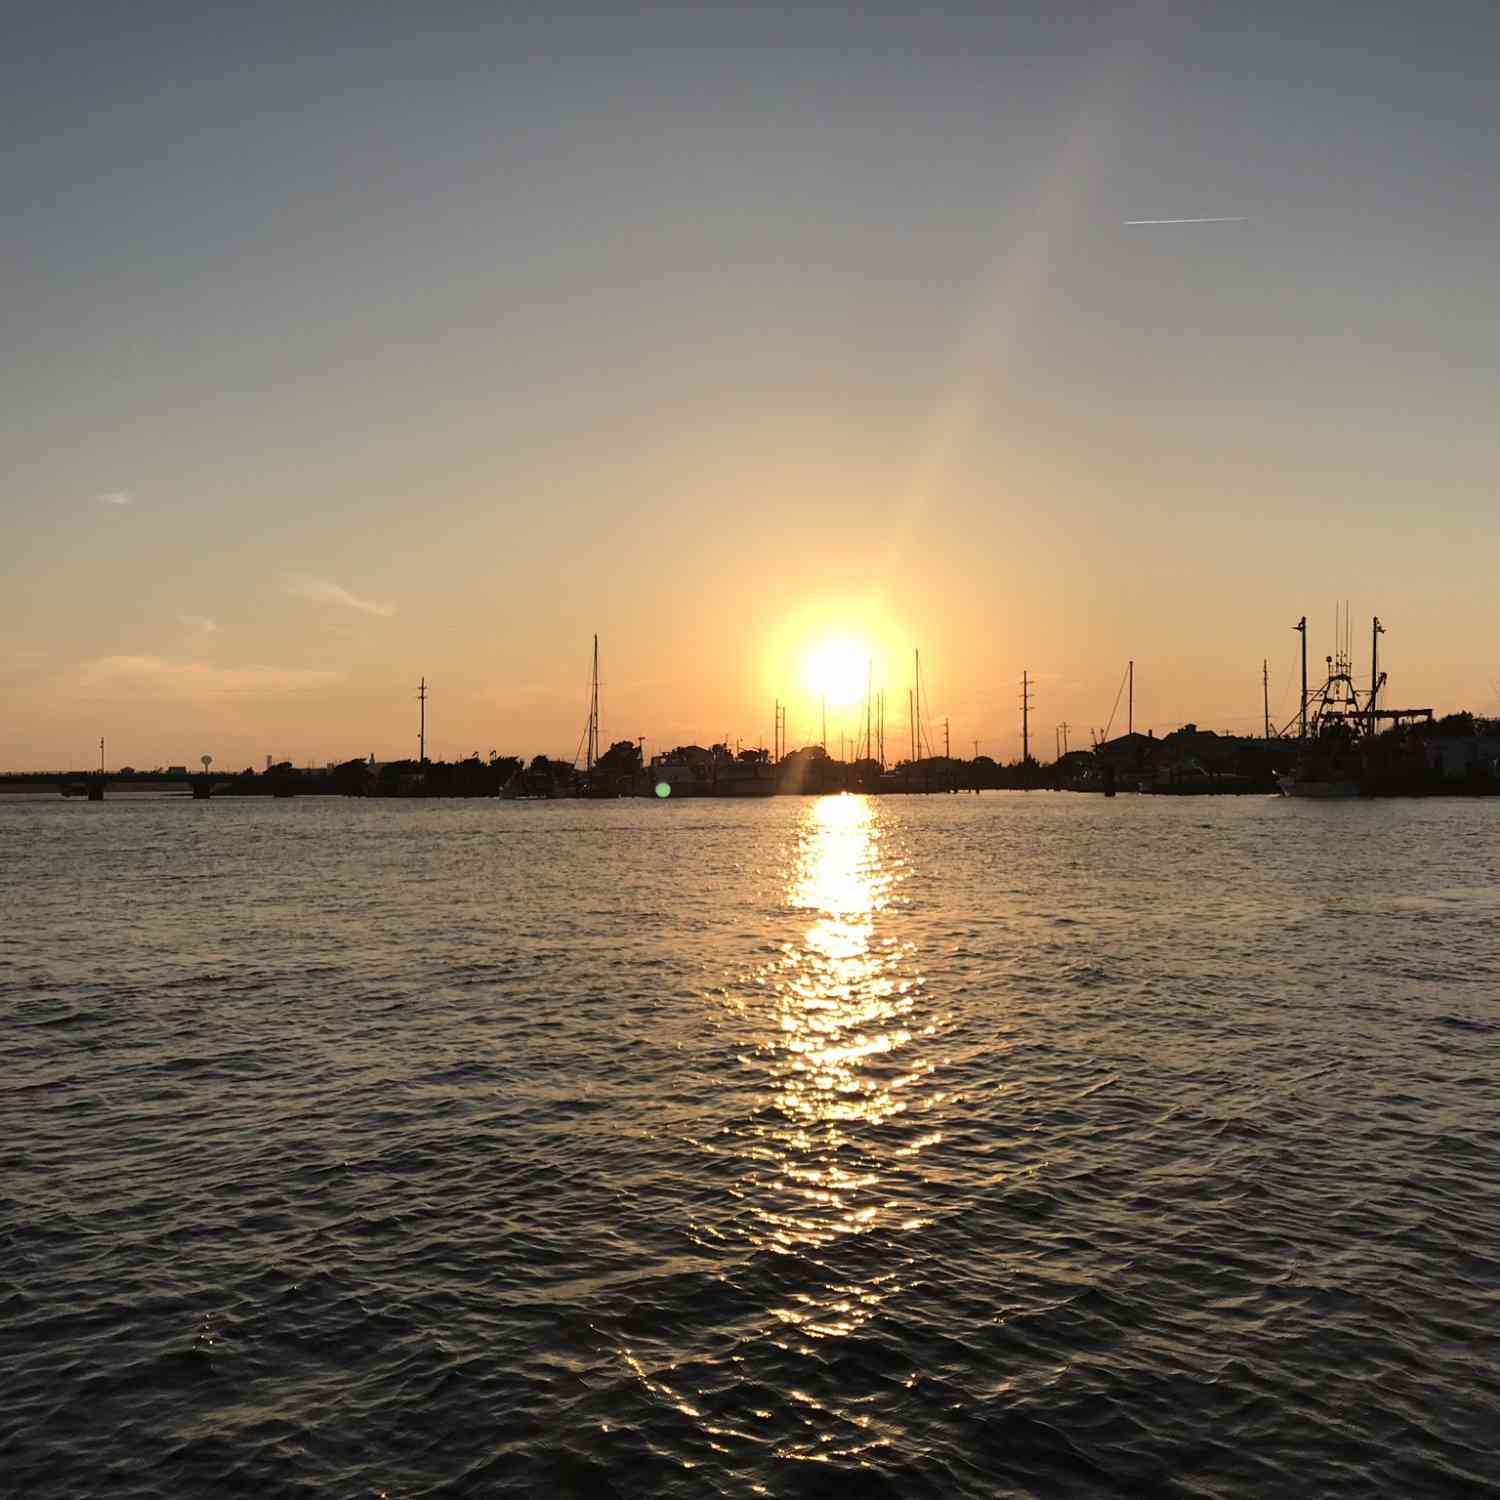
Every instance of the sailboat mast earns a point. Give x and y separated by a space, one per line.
1376 631
1130 721
593 753
917 668
1265 693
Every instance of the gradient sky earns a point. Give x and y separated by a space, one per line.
347 346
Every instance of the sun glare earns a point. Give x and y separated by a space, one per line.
837 670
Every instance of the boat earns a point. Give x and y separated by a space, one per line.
1338 726
1310 783
600 779
1193 779
692 771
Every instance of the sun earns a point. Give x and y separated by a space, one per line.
837 671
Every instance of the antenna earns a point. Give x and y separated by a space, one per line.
422 723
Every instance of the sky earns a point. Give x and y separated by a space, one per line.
347 347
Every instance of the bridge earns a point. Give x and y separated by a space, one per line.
91 785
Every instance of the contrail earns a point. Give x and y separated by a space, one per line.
1227 219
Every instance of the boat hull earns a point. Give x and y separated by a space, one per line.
1296 786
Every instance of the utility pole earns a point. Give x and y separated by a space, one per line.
422 723
947 743
1064 727
1301 628
101 754
1025 719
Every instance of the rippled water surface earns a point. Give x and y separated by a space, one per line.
1014 1145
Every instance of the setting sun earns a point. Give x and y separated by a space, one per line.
838 671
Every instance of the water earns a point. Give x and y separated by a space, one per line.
1014 1145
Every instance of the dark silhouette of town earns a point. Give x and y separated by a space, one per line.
1458 753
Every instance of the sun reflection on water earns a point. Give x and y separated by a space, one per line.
842 999
840 996
822 1149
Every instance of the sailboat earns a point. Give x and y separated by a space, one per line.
596 782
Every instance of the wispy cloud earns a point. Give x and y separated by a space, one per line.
115 497
201 624
326 591
159 677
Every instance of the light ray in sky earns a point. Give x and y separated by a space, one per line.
1024 259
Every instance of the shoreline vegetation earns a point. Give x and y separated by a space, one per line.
1458 753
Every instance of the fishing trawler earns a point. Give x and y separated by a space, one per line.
1338 724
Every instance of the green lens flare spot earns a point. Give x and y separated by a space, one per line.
662 789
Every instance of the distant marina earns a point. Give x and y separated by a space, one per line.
1342 743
